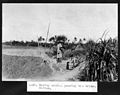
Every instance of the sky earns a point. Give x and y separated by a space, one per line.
28 21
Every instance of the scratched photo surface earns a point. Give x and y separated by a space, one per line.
60 42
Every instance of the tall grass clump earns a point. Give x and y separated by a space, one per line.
102 60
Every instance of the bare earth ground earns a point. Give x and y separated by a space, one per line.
28 64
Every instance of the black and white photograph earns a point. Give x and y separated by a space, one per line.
60 42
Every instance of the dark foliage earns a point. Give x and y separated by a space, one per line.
103 61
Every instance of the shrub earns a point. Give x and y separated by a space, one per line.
103 61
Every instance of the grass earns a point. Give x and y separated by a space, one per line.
24 67
17 47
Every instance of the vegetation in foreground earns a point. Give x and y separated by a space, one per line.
103 61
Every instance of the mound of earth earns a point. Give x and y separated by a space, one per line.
24 67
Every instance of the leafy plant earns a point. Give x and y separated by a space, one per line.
103 61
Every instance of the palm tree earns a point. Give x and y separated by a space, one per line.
56 39
84 39
75 39
52 39
68 41
39 40
61 38
43 39
80 41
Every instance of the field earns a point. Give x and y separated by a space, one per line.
27 63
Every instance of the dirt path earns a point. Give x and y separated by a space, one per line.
68 74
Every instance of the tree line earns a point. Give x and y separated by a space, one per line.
41 41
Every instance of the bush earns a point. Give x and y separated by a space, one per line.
103 61
67 53
50 54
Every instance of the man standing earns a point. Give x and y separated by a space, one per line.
59 52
